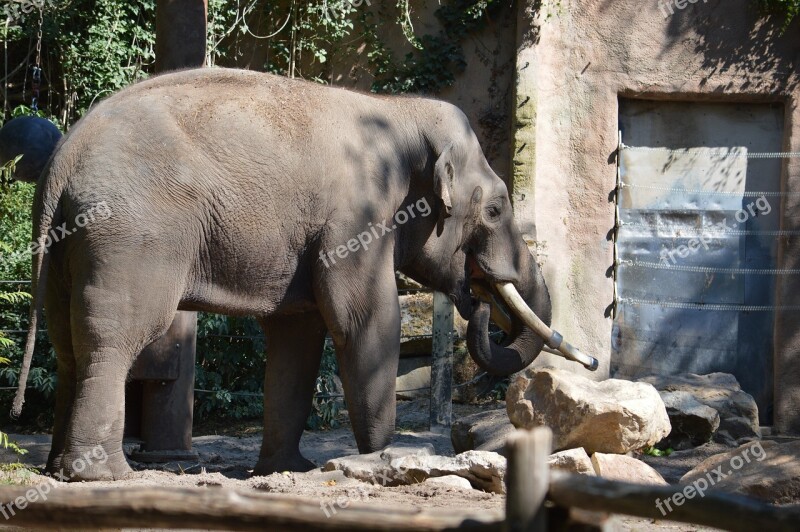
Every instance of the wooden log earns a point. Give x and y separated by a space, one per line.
527 479
441 406
221 509
715 509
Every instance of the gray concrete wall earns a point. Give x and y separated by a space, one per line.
571 71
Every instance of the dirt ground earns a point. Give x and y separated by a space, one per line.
227 461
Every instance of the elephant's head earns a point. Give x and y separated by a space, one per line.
477 245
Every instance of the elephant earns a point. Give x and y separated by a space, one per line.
245 193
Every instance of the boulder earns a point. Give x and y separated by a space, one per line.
612 416
405 464
375 467
484 431
693 423
416 323
484 470
767 470
450 481
625 469
572 461
415 384
737 409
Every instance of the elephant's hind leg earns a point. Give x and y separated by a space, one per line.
58 327
109 328
294 350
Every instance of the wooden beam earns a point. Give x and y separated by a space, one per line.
527 479
715 509
223 509
441 405
180 34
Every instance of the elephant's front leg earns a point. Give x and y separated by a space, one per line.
367 339
294 349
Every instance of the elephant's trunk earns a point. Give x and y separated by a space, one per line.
524 344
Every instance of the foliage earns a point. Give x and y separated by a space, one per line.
788 9
326 405
16 200
230 371
499 390
230 364
4 344
653 451
7 170
89 48
438 58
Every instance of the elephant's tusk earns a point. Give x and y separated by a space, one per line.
551 338
499 315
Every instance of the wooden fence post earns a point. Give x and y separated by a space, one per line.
527 479
442 364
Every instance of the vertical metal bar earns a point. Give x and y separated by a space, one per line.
617 222
442 365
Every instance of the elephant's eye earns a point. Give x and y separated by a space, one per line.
493 211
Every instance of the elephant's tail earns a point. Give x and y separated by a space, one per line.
45 212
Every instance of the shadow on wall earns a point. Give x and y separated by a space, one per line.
735 35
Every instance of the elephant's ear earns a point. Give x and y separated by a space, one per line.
443 176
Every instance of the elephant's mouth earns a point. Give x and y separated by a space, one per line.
500 301
479 287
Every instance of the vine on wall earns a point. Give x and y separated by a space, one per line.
788 9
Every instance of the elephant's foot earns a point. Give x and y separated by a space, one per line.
280 463
86 465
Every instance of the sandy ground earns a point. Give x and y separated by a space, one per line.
227 461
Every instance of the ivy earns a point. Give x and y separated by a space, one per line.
788 9
438 58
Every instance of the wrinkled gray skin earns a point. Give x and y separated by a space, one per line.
224 187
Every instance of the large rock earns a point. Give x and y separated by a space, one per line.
767 470
484 431
613 416
450 481
625 469
693 423
484 470
572 461
415 384
416 323
737 409
375 467
400 465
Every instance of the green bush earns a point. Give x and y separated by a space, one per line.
788 9
6 344
16 200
